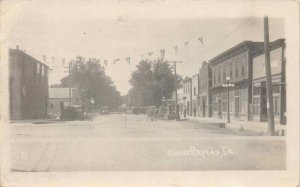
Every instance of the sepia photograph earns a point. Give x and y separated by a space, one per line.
149 93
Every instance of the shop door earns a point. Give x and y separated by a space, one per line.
220 107
263 104
237 107
203 107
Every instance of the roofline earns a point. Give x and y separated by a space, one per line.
273 45
20 51
244 43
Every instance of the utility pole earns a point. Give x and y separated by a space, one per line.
175 82
175 79
270 107
70 94
70 91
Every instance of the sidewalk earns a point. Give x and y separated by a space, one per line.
35 121
238 125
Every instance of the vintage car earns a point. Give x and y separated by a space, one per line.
104 110
72 113
173 112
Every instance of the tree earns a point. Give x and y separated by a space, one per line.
150 82
89 77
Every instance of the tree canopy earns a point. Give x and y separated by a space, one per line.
150 82
90 78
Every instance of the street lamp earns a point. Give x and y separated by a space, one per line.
163 100
92 101
228 85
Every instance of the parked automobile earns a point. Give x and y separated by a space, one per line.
72 113
104 110
173 112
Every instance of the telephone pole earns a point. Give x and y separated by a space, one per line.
270 107
175 78
70 89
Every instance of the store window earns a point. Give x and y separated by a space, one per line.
276 103
236 72
256 90
46 72
276 88
42 69
38 68
224 102
243 71
224 75
256 106
34 72
230 71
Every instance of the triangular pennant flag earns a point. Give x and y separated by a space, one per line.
116 60
150 53
44 58
200 39
176 48
186 43
128 60
162 52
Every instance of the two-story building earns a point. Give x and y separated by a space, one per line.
180 100
195 94
187 96
259 95
235 63
205 101
28 86
59 98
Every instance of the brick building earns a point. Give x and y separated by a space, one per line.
59 99
195 95
235 63
28 86
259 95
205 101
187 95
180 100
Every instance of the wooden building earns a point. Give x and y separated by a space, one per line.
28 86
187 95
195 95
235 63
259 95
205 101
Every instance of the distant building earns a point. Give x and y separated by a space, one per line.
28 86
187 95
205 100
59 99
180 100
259 95
235 63
195 94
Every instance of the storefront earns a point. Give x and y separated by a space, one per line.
259 92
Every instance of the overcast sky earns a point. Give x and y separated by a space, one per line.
120 29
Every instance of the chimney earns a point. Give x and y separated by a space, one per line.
17 47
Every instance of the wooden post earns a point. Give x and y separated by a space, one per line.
270 107
70 100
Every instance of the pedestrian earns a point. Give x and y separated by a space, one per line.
194 111
151 113
184 112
